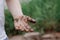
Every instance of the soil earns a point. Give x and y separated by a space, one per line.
19 37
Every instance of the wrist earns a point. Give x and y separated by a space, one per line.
17 16
16 19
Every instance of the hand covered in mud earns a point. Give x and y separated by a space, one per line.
21 23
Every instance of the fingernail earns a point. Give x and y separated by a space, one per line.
31 30
26 30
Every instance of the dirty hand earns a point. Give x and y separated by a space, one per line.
21 23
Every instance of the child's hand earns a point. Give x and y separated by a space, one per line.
21 23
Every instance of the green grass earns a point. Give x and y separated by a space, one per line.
45 12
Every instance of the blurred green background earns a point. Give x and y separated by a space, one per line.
45 12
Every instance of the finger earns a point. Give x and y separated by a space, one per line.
25 29
16 28
21 28
25 19
21 25
28 28
31 30
30 19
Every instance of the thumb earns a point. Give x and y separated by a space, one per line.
31 19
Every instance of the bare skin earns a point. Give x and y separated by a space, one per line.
20 20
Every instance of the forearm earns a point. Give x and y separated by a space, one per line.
14 7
